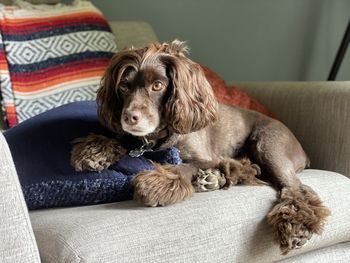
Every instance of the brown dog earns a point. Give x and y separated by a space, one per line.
157 97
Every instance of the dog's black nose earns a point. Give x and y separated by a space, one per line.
132 118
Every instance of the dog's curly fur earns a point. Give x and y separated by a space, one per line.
157 93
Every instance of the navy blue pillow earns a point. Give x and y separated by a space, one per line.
41 147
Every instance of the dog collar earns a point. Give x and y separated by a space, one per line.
156 136
146 147
148 142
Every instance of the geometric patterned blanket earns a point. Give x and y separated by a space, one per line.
50 56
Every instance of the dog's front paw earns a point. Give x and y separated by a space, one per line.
95 153
296 217
162 186
208 180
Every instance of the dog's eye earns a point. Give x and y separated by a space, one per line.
123 88
157 86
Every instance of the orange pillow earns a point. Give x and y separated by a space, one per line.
231 94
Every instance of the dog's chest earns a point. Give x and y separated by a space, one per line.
225 139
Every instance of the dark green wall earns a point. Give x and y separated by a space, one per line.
249 40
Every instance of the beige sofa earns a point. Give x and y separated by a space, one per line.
220 226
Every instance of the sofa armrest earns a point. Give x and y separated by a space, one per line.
317 112
17 241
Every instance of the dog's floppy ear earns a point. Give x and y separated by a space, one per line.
108 98
192 104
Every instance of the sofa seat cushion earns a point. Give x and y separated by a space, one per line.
339 253
220 226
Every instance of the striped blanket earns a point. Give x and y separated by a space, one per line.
50 56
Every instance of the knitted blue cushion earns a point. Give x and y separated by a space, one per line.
41 147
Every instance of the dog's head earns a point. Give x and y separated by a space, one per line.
146 90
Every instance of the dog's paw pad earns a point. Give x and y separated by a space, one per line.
296 242
208 180
296 238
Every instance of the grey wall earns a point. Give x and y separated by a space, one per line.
249 40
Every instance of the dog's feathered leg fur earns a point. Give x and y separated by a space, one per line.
165 185
299 212
298 215
95 153
169 184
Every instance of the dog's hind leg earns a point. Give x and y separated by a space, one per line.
298 215
299 212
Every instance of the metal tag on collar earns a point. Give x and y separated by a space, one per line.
146 147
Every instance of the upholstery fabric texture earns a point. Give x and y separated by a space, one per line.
17 241
318 115
41 149
51 55
339 253
219 226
